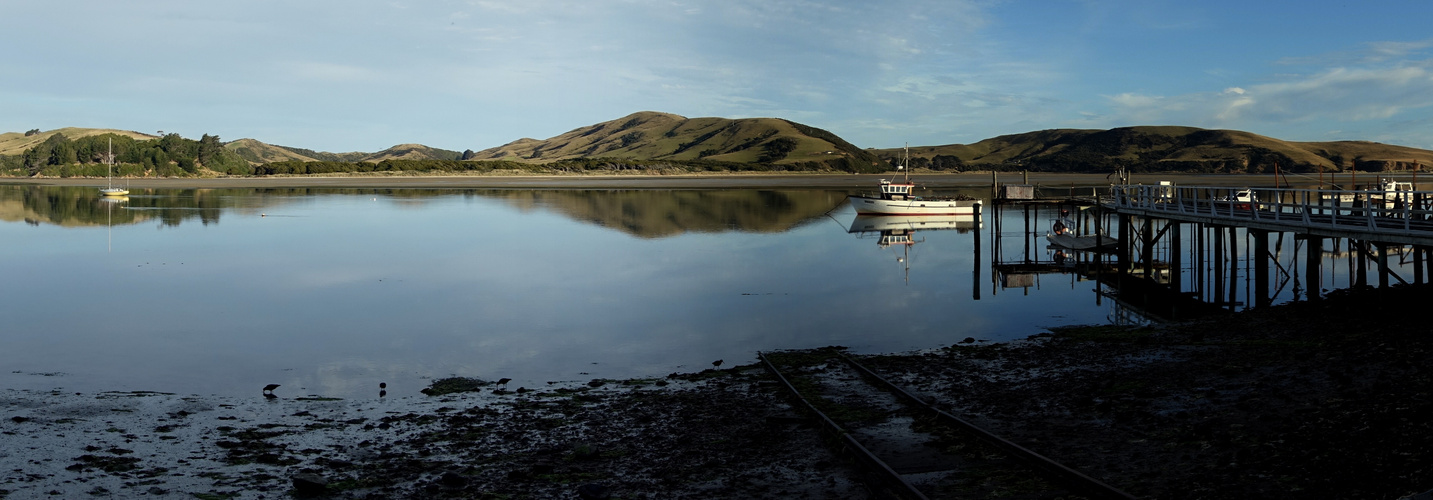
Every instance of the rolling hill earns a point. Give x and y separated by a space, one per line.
258 153
650 135
1168 148
14 143
730 143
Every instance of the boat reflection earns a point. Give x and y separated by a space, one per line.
900 230
908 224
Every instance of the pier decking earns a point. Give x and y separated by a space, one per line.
1390 217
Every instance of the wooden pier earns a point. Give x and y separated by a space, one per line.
1375 223
1224 247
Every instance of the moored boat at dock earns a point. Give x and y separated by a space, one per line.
898 198
1063 235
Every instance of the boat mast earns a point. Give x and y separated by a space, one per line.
905 162
109 162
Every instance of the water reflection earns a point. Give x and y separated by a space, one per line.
643 213
900 231
332 291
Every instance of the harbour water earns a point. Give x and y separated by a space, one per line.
329 292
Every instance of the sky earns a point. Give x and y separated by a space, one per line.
364 75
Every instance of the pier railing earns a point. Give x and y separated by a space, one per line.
1399 213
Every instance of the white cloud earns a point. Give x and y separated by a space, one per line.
1333 95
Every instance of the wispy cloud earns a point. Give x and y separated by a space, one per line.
1347 95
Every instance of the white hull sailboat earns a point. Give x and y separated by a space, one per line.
109 161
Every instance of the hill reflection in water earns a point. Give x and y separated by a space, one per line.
643 213
330 291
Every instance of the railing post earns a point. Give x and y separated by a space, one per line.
1368 208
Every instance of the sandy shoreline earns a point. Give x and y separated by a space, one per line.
713 181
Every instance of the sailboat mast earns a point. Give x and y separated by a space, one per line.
109 161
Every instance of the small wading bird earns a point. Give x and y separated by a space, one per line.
716 364
269 390
504 381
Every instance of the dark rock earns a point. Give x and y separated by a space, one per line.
594 491
308 484
453 480
596 382
157 491
968 340
19 420
540 469
584 452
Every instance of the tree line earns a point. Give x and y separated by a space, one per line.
167 156
175 156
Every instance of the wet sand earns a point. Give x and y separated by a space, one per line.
714 435
1328 399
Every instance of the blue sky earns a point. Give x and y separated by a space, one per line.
363 75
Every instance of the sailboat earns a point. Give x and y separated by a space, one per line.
109 161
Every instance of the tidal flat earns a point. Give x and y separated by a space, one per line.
1325 399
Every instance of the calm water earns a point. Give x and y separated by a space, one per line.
329 292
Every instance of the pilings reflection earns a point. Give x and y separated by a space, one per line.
1166 268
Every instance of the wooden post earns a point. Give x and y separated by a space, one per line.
1260 254
1146 252
1122 256
1025 236
1313 273
1359 254
1233 266
1201 260
1176 259
1382 264
975 279
1218 266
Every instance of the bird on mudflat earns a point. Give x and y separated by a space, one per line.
504 381
716 364
269 390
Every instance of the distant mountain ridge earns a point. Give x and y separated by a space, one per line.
257 152
650 135
781 144
1160 148
14 143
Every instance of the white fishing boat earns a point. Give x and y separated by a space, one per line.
1063 235
109 162
1395 194
1243 199
898 198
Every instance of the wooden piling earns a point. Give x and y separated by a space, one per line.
1261 257
1313 272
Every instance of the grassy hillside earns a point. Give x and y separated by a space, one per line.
14 143
412 152
664 142
256 152
1169 148
663 136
